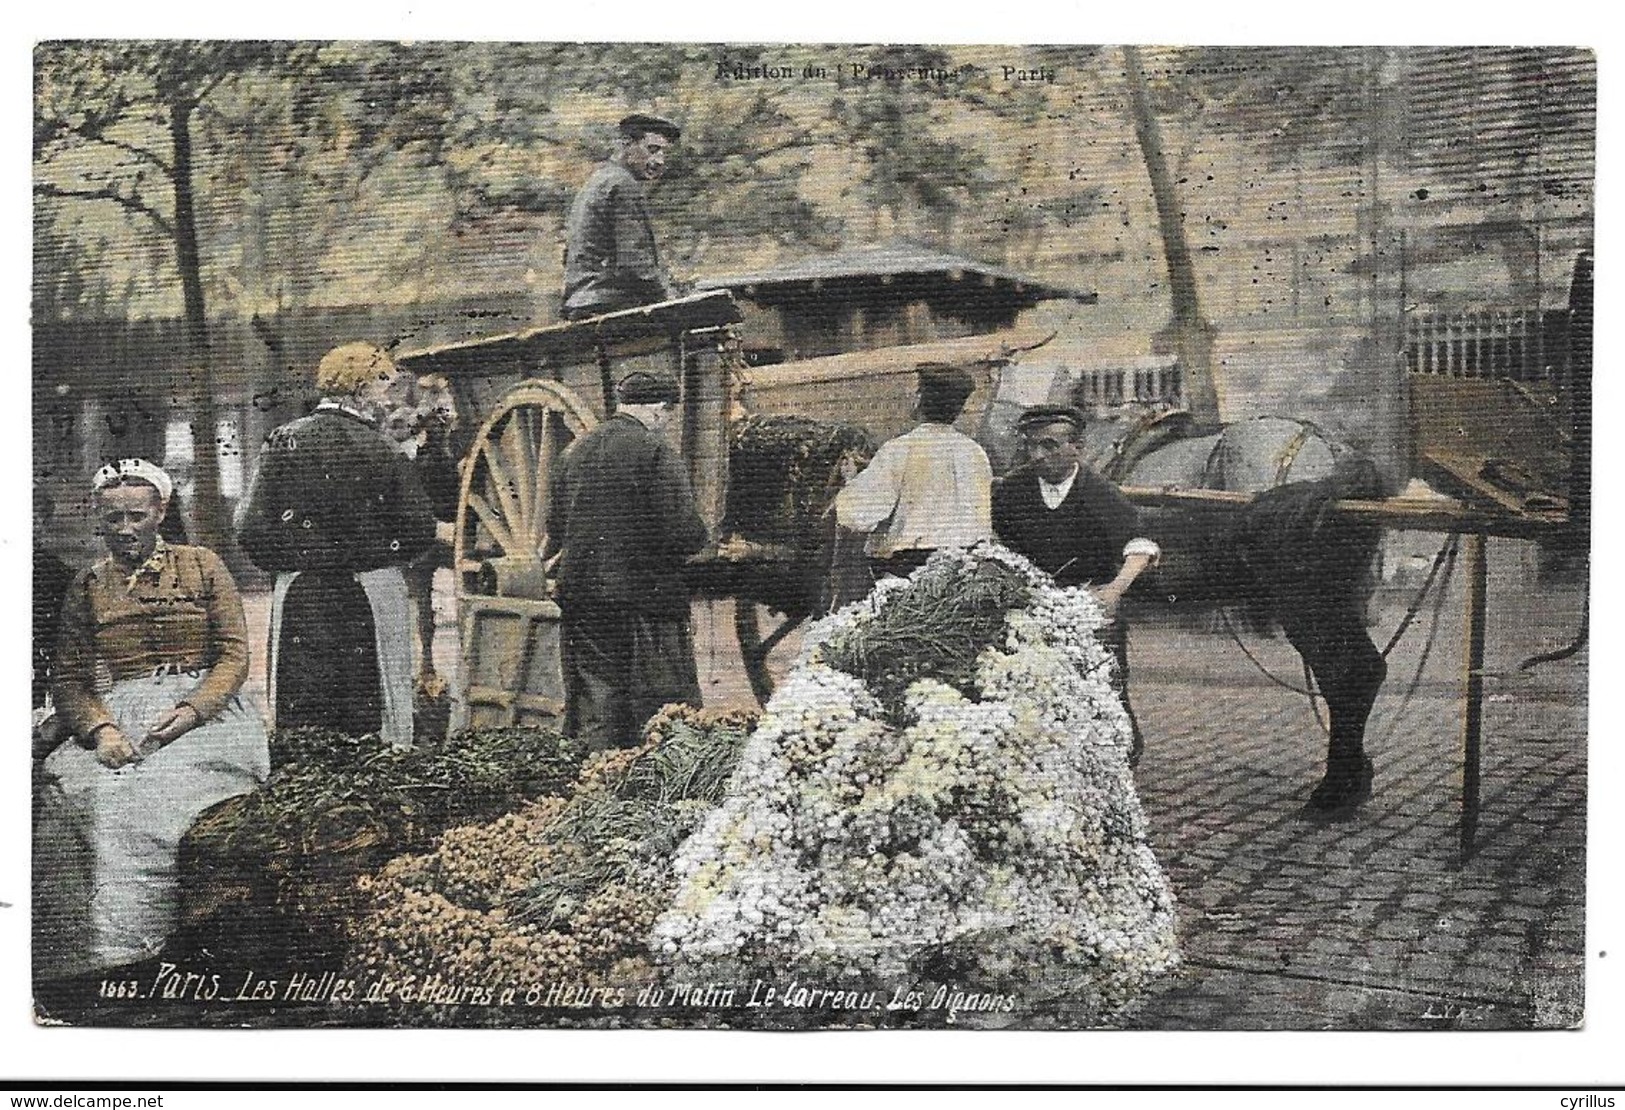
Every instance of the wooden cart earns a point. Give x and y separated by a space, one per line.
541 389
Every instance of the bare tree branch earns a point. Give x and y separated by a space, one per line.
201 93
152 158
108 192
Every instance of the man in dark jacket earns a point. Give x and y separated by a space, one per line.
1074 524
611 261
337 511
622 521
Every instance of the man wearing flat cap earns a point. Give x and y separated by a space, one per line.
926 489
611 261
621 521
1074 524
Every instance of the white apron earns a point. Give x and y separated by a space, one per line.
105 840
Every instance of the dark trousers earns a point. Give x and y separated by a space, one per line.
327 657
1114 637
619 669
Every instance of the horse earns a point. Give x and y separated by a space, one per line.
1287 558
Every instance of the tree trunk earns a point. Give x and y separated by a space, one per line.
1188 335
1379 361
209 524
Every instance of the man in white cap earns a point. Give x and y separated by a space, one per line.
337 511
611 261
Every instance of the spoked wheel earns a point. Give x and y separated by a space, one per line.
510 669
502 507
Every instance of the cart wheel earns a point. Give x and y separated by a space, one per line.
502 505
754 649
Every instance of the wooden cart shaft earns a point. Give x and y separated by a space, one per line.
1476 525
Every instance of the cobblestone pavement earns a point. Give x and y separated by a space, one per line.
1368 923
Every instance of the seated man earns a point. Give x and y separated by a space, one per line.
611 259
1074 524
928 488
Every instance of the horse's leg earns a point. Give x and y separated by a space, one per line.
1330 633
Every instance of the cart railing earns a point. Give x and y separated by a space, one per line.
575 342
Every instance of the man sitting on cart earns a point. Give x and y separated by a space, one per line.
611 261
928 488
622 522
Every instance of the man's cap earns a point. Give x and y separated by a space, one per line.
1041 415
643 387
636 125
946 380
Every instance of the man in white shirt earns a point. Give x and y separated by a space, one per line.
928 488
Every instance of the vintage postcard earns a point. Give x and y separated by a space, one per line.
692 536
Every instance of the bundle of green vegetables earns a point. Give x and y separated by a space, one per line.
932 626
783 472
562 891
286 856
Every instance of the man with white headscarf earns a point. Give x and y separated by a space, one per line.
338 512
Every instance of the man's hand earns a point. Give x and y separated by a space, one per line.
1108 596
1112 592
113 749
175 724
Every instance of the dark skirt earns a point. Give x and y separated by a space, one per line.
327 657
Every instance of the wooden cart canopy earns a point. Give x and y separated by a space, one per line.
576 341
875 388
